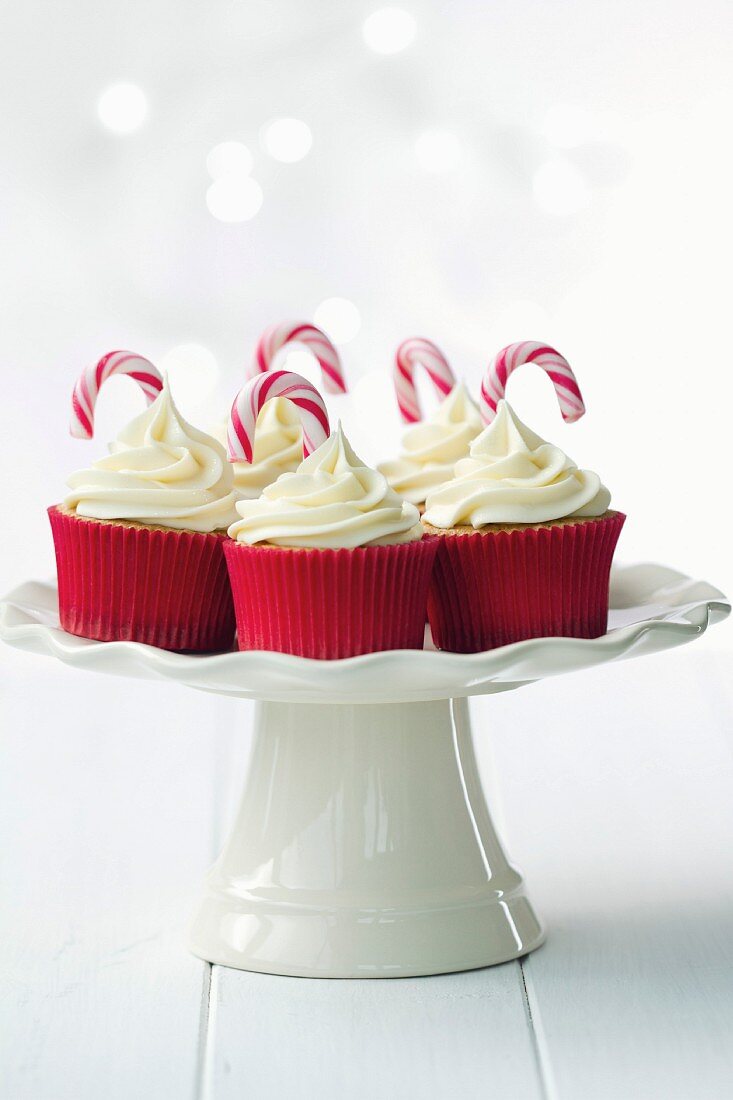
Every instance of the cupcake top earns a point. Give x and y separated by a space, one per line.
331 501
431 448
513 476
160 470
278 448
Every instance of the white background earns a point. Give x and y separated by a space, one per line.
583 198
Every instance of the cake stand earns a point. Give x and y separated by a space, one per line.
364 846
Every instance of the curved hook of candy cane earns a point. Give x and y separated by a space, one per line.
276 337
555 365
255 393
417 351
91 379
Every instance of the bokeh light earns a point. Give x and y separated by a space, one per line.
339 318
560 189
229 158
438 151
389 30
193 373
287 139
122 108
234 198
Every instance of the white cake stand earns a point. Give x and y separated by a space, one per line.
364 846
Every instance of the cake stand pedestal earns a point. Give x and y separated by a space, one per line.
364 846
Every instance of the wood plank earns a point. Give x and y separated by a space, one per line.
107 790
456 1035
617 789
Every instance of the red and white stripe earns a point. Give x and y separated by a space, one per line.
265 387
416 351
91 379
555 365
276 337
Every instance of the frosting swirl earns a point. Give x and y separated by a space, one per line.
513 476
160 471
431 449
332 500
278 448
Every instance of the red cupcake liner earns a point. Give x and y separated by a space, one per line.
120 582
495 587
331 603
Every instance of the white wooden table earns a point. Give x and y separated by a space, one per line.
115 795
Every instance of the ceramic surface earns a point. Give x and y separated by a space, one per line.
364 846
652 608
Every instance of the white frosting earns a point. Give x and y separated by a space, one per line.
278 448
160 471
513 476
332 500
431 449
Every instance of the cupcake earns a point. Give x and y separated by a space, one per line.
328 562
139 538
526 540
278 449
278 445
430 449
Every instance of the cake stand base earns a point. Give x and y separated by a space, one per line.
363 848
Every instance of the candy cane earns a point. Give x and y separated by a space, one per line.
555 365
256 393
86 390
419 352
295 332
